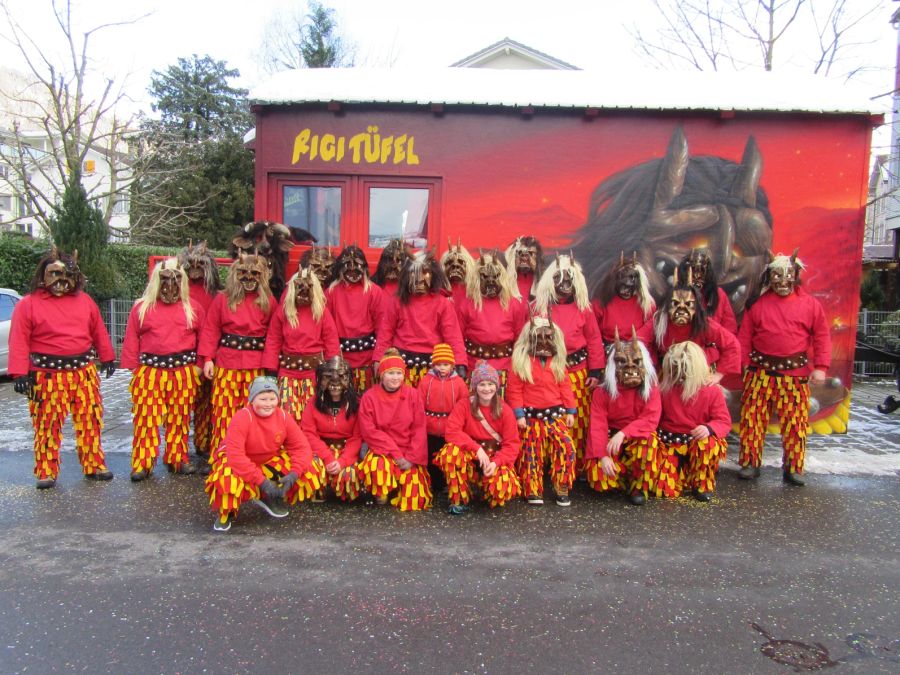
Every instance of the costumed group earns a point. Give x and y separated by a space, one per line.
478 376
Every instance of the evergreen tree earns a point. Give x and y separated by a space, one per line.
296 38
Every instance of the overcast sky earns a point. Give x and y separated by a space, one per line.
591 34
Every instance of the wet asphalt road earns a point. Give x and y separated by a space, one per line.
121 578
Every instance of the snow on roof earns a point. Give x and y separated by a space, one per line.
651 90
509 45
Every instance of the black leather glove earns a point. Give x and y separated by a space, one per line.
24 384
288 481
596 373
270 489
462 371
108 367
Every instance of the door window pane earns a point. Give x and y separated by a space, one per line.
7 302
398 213
315 209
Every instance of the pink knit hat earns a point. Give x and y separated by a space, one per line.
483 372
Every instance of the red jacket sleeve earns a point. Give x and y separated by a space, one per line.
274 339
235 448
745 336
719 417
455 432
384 335
100 335
418 450
725 313
330 339
452 334
821 338
596 353
20 338
211 331
511 445
131 346
297 446
309 429
599 426
729 362
377 440
568 396
350 453
515 391
644 425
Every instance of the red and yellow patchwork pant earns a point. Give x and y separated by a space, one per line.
636 468
689 466
203 416
788 396
161 396
346 484
56 394
295 393
546 442
227 491
362 378
230 391
578 377
382 476
462 472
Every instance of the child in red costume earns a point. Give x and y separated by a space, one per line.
624 300
693 426
331 425
233 338
355 304
160 349
53 335
482 435
785 344
440 389
301 335
540 394
392 423
624 415
264 458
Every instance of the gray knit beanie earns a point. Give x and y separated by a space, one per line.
261 384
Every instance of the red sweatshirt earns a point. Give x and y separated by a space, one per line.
200 295
628 412
356 313
468 433
393 424
707 407
621 314
440 395
724 314
308 337
164 331
524 282
66 326
457 292
251 441
720 346
319 428
419 325
247 319
492 325
783 326
579 326
544 392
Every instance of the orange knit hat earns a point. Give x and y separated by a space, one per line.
443 353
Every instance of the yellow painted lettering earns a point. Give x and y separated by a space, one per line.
386 144
373 141
326 147
340 150
399 149
355 144
301 145
411 156
315 148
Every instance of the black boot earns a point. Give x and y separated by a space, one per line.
637 498
139 475
702 496
748 472
792 478
45 483
889 405
104 475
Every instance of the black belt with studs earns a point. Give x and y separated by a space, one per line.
673 438
168 360
252 343
415 359
363 343
576 357
544 413
54 362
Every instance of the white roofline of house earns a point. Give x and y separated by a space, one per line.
756 91
507 45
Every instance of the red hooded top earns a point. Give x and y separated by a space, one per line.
579 326
247 319
356 313
307 337
419 325
492 325
784 326
200 295
251 441
164 331
319 428
724 314
393 423
524 282
707 407
544 392
627 412
68 325
621 314
720 346
440 395
468 433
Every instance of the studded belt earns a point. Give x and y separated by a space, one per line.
253 343
490 446
54 362
300 361
335 443
544 413
415 359
500 350
168 360
362 343
673 438
576 357
769 362
429 413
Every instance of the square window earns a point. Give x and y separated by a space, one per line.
315 209
398 213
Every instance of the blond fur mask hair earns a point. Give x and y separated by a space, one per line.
151 293
317 297
684 365
609 375
457 251
545 295
521 356
234 292
473 279
783 263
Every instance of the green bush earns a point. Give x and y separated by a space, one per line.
19 257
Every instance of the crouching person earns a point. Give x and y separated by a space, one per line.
331 426
392 423
265 458
482 437
625 412
693 426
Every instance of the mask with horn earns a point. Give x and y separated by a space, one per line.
782 275
58 273
629 361
682 306
171 277
456 262
320 261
